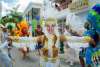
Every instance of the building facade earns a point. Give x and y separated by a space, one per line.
75 18
32 10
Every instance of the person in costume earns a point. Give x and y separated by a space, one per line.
51 32
40 44
93 30
89 32
92 35
94 19
22 31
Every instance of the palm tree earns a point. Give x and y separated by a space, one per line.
13 16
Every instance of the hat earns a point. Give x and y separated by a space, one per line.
51 20
94 17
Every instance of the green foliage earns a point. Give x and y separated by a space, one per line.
14 17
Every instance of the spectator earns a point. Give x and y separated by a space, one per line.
4 56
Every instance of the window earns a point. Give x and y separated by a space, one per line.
61 24
35 12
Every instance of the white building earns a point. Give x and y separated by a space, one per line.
32 10
75 19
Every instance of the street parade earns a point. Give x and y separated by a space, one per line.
55 37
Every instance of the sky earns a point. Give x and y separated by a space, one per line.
9 4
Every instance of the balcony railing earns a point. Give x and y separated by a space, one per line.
78 5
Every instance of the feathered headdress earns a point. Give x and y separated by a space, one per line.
94 17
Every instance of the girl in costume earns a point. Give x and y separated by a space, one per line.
22 30
39 44
51 32
37 31
94 19
36 44
90 32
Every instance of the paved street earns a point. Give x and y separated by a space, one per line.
33 61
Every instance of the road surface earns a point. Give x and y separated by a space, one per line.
33 60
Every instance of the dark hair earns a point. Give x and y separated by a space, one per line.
87 25
38 26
